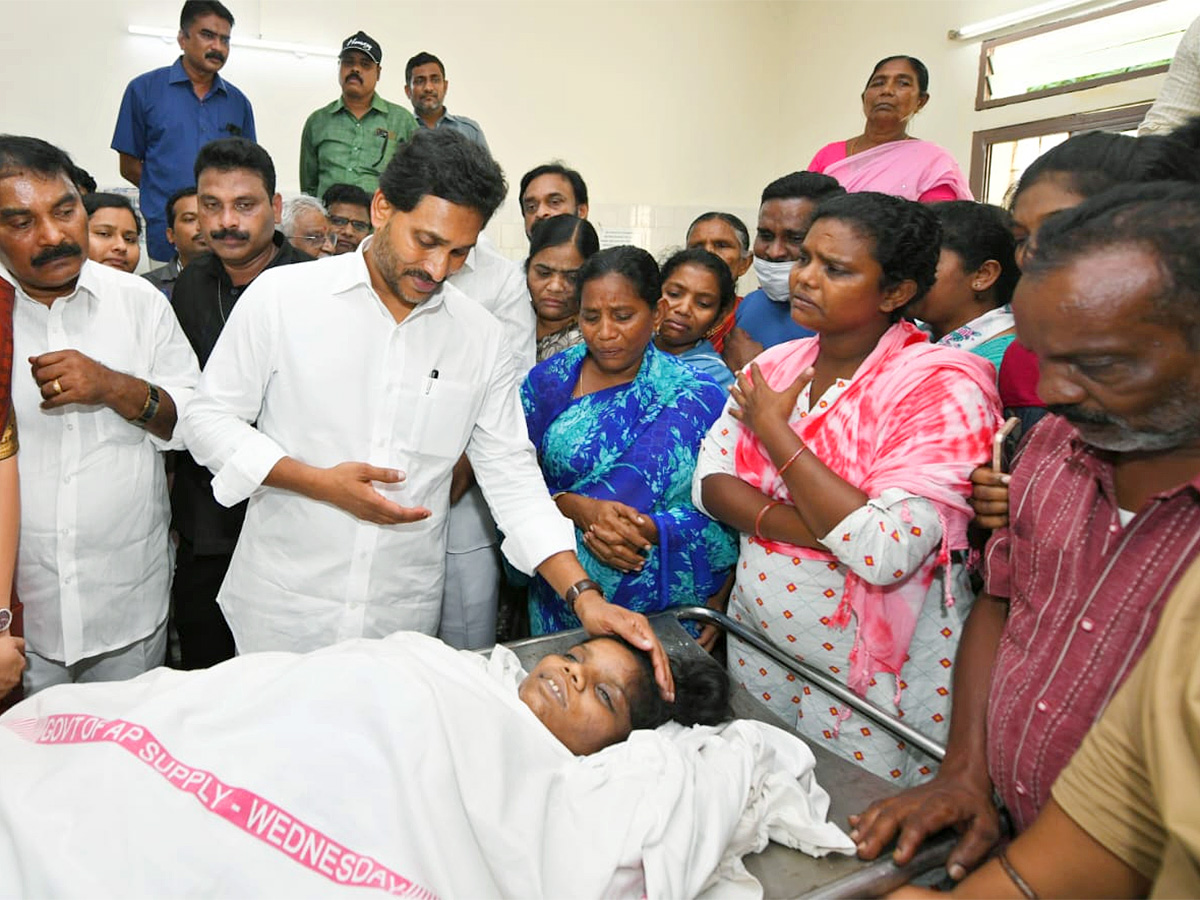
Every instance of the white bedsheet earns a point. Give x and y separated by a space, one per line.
397 765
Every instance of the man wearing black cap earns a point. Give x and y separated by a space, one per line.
351 140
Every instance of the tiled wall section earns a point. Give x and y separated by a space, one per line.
659 229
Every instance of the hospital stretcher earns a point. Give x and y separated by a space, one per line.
783 872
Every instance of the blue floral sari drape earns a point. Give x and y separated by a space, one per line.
637 444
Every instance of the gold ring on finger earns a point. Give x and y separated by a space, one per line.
58 388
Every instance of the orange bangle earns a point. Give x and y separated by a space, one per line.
791 459
759 518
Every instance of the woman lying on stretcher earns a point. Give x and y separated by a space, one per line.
398 763
599 691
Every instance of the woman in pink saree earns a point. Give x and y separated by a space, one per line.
844 460
884 157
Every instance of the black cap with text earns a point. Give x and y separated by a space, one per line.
363 43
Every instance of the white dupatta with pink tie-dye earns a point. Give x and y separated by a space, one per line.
916 416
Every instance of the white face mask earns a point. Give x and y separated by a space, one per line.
773 278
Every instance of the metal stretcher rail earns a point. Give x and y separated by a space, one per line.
831 686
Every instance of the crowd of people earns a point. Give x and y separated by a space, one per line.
347 415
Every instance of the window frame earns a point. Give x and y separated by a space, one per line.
1118 118
983 99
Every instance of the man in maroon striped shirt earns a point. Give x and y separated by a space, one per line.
1105 514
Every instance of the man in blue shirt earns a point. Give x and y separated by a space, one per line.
764 317
168 114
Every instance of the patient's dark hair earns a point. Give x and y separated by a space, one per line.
701 691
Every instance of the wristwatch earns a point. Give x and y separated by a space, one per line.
5 619
578 588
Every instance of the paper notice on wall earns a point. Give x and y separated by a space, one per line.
616 237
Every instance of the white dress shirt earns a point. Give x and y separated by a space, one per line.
94 568
498 285
313 356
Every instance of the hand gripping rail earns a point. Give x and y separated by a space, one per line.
829 685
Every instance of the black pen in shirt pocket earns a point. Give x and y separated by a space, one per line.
433 374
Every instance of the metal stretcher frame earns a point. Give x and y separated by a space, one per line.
783 872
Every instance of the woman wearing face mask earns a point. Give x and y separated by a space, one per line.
616 424
696 292
844 461
113 231
884 157
558 248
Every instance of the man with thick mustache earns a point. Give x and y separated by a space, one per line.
1104 514
351 140
238 208
168 114
339 398
93 565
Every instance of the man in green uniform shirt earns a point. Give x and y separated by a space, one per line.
351 140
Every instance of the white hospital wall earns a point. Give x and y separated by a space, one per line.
651 101
668 108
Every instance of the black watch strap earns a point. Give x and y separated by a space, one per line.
578 588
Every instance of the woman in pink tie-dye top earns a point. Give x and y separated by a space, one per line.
844 461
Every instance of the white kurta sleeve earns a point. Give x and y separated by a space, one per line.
716 454
216 423
514 309
173 366
507 470
887 538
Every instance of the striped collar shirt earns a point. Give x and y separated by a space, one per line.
1084 593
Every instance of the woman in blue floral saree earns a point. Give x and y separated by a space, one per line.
617 425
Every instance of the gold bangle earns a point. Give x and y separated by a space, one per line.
145 406
150 410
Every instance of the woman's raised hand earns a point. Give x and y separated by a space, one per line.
759 407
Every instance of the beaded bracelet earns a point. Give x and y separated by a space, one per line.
759 518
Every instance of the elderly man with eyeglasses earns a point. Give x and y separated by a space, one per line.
305 224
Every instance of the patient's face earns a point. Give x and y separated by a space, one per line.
584 695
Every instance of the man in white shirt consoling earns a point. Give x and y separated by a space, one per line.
109 371
367 376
